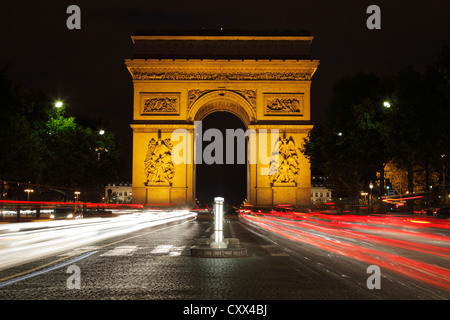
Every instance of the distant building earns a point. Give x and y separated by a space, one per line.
319 191
118 193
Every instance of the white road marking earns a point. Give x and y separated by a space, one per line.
162 249
120 251
166 249
176 251
79 251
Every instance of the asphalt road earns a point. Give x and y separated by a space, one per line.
154 263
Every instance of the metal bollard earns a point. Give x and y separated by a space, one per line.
218 224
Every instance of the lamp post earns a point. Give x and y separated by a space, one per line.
28 193
443 173
370 198
77 193
365 196
100 132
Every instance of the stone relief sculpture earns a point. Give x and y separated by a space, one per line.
159 167
160 105
283 105
282 75
285 164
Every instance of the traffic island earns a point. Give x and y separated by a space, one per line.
217 246
233 249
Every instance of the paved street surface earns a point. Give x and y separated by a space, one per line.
155 263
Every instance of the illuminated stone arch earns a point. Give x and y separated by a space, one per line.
263 79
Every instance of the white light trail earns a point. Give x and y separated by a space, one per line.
47 238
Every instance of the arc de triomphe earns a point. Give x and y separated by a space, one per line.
179 79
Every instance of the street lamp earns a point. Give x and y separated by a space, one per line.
365 196
386 104
28 193
77 193
370 198
58 104
101 132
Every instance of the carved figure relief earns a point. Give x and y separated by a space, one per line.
159 167
283 104
282 75
284 165
160 103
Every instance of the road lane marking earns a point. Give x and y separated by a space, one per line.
176 251
162 249
78 251
166 249
143 234
120 251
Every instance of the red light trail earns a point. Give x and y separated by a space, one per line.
355 236
59 203
82 204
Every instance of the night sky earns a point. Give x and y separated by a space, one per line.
85 68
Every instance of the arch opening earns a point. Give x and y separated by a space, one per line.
227 176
